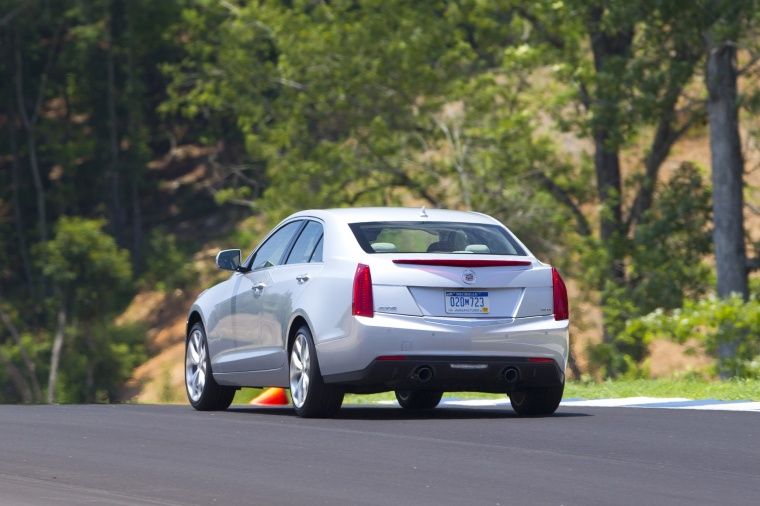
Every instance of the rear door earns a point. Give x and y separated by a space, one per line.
252 351
288 282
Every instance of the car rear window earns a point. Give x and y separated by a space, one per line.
435 237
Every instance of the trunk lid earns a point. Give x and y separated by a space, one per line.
458 288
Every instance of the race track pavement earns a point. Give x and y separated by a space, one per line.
629 402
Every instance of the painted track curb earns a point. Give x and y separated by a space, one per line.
628 402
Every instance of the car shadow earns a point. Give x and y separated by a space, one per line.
373 412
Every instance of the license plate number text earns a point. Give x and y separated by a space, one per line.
466 302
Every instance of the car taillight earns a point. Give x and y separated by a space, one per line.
362 303
561 305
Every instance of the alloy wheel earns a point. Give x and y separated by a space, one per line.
300 370
195 365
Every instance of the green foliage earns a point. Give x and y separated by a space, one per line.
713 322
665 254
671 242
626 66
374 103
298 104
664 261
615 360
90 272
92 277
112 355
37 348
167 267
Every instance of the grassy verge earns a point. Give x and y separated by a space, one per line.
736 389
731 390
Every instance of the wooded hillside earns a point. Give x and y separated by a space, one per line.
134 132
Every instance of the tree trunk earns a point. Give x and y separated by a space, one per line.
17 213
610 49
30 124
611 220
133 118
667 132
727 178
114 172
89 381
31 133
607 164
55 356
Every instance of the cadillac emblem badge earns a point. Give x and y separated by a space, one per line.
468 277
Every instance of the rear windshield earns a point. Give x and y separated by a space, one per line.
435 237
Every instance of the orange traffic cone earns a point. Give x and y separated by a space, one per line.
271 397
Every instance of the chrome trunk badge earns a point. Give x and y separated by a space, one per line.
468 277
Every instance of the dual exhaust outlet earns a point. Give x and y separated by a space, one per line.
424 374
511 374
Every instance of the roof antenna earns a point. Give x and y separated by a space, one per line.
423 214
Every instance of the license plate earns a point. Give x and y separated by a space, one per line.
466 302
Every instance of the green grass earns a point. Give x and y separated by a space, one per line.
244 395
731 390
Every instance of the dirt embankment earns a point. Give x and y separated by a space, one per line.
160 379
164 314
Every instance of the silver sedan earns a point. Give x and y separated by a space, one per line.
415 301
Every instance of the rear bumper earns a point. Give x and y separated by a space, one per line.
489 345
450 373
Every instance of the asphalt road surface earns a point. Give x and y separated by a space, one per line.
379 455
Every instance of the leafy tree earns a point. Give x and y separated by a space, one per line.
722 27
376 103
112 355
725 23
666 267
628 67
166 265
344 103
290 104
79 87
92 277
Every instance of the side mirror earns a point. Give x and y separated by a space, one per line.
228 260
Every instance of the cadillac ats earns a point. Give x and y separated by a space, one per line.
366 300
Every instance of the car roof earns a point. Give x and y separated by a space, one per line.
367 214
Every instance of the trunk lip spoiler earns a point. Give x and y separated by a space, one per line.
439 262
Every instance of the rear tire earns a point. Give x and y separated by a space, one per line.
537 401
418 399
311 396
203 392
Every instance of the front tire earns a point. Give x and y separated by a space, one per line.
311 396
418 399
203 392
537 401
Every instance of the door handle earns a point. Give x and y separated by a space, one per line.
303 278
258 287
